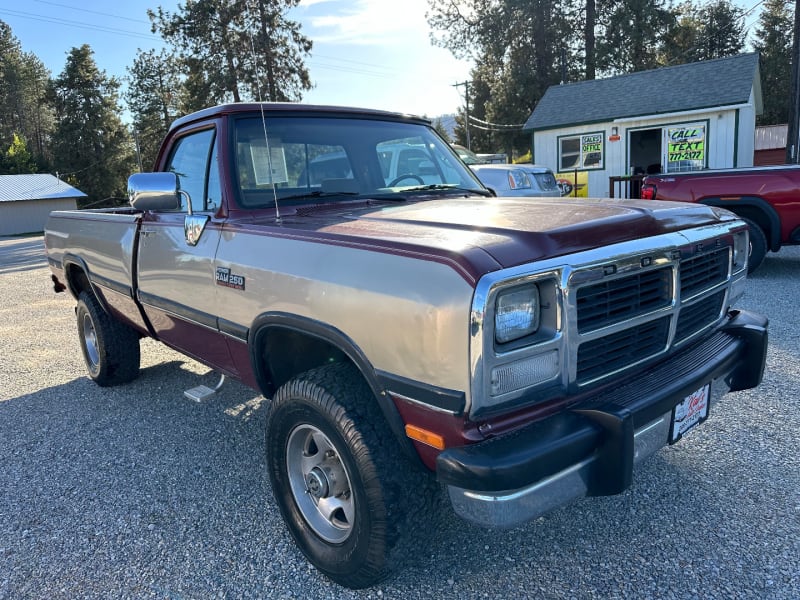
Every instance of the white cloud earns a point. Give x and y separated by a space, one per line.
378 54
367 22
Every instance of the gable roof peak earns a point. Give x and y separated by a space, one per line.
725 81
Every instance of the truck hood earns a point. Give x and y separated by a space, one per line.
511 231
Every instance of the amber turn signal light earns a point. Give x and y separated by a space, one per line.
426 437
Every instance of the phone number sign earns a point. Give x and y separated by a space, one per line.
686 143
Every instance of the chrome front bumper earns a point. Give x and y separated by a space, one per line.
515 507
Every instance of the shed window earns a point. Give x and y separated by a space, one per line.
685 147
580 152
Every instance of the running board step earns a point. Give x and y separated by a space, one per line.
203 392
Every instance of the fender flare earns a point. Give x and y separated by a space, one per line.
339 340
77 261
757 203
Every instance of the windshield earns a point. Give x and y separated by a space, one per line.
468 156
334 157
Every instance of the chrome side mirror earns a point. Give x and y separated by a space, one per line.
154 191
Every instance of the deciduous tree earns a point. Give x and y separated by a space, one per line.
17 159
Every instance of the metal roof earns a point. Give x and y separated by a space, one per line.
14 188
771 137
706 84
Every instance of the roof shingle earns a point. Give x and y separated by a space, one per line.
719 82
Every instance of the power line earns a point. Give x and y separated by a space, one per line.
493 126
345 69
94 12
466 109
77 24
355 62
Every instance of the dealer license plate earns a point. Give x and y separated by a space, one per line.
690 412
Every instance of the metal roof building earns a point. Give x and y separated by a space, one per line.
686 117
26 201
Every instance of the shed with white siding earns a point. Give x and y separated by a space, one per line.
26 201
687 117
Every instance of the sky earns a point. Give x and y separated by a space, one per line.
367 53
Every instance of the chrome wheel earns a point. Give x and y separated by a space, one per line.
90 342
320 483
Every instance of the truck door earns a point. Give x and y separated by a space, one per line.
176 255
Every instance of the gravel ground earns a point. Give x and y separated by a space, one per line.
136 492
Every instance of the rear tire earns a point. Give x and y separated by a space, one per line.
758 245
110 348
333 474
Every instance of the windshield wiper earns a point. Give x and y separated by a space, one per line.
316 194
445 187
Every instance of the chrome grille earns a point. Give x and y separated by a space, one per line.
703 271
617 299
613 352
623 320
698 316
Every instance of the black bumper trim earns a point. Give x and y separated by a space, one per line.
604 425
452 401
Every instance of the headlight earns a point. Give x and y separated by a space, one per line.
517 179
741 250
516 313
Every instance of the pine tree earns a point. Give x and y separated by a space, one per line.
516 46
631 31
91 146
237 49
154 100
23 85
774 45
704 32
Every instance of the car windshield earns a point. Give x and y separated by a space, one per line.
328 158
468 156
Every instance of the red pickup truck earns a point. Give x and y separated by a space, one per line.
766 198
411 330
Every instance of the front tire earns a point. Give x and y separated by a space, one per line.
758 245
330 473
110 348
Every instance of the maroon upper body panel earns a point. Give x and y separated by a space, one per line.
483 234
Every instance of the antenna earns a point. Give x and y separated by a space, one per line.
264 125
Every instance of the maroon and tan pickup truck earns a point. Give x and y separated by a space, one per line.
345 263
766 198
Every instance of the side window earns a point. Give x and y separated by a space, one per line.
190 161
580 152
214 190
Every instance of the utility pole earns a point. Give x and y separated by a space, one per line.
138 151
793 132
466 107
